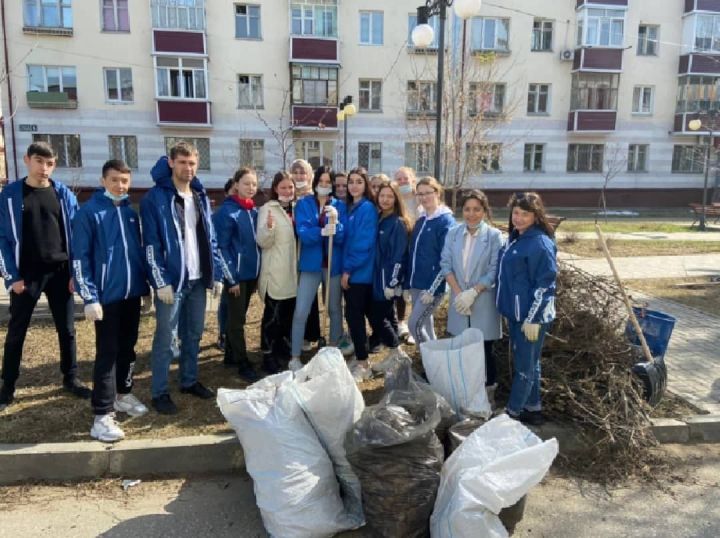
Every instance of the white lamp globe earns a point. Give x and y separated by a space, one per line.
349 109
423 35
694 125
340 115
467 8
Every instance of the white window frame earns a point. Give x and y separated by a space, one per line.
484 158
306 149
180 67
372 22
574 152
60 5
542 27
643 100
600 20
713 36
684 154
479 27
634 161
116 17
534 151
538 89
123 140
255 147
307 79
203 159
420 156
415 90
373 88
167 14
255 91
45 68
647 42
247 18
118 81
63 157
373 165
313 18
478 98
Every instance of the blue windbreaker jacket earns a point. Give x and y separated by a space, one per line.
526 277
162 237
361 234
237 246
312 245
422 270
11 208
392 243
108 264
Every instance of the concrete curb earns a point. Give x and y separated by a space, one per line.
693 429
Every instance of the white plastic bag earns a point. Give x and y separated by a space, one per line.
295 485
455 368
491 470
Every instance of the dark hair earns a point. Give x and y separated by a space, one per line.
481 197
530 201
115 164
367 193
228 185
240 172
318 174
398 206
42 149
182 148
277 179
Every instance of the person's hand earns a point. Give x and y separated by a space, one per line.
464 300
93 312
217 289
18 287
531 331
426 298
331 213
328 230
235 290
166 295
71 286
270 221
345 281
407 296
146 304
389 293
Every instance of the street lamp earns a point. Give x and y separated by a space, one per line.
422 36
346 109
697 125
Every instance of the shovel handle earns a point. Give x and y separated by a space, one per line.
327 282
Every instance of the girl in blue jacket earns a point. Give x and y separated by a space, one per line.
357 264
108 267
526 297
235 223
424 278
317 218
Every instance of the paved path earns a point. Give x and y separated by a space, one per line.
646 236
651 266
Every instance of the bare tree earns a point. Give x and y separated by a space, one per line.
615 162
280 128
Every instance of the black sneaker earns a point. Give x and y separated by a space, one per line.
77 389
197 389
248 373
164 405
271 365
7 396
531 418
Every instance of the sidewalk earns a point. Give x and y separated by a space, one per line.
645 236
650 266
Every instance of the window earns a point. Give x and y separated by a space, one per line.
542 35
420 156
486 98
420 97
52 79
483 158
585 157
312 85
698 94
178 14
643 100
201 144
600 27
250 91
183 78
252 153
707 33
65 146
370 156
48 13
314 18
317 153
538 99
489 34
247 21
125 149
118 85
115 16
371 27
370 95
647 40
432 21
688 159
637 157
533 161
594 91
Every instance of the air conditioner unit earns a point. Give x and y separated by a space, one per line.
567 55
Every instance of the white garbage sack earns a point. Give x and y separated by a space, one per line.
455 368
491 470
284 427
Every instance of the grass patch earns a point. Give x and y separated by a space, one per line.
630 226
590 248
706 299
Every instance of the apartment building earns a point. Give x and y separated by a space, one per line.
564 95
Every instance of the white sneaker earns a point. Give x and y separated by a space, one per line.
403 330
294 365
307 345
105 429
346 347
409 340
175 347
360 371
127 403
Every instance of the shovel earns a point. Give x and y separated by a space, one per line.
323 321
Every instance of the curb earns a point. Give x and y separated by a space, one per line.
693 429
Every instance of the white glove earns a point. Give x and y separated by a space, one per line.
166 295
407 296
531 331
426 298
93 312
331 213
217 289
389 293
464 301
328 230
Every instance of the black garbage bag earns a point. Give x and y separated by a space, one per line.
394 451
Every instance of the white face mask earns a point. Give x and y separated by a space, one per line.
285 199
405 189
323 191
301 184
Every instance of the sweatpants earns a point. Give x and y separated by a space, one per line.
421 322
235 346
381 321
358 307
276 331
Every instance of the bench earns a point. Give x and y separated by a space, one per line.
712 211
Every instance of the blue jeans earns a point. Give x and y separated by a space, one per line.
525 390
187 313
307 290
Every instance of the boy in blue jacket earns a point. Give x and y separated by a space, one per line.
35 251
110 278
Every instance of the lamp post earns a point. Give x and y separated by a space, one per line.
346 109
423 35
696 125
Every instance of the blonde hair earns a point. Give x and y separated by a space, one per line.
409 171
435 185
382 177
302 163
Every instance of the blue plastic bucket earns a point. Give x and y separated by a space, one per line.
657 328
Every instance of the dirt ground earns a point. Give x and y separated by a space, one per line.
702 297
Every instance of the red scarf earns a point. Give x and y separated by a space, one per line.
245 203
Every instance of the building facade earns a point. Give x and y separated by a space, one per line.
559 96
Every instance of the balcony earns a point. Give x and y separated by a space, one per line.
683 119
314 50
598 60
307 117
179 42
52 100
592 121
702 5
601 3
183 113
699 64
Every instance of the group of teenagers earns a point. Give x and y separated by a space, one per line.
373 245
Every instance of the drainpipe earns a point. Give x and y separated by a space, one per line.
9 97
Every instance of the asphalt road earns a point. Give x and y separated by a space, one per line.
684 503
